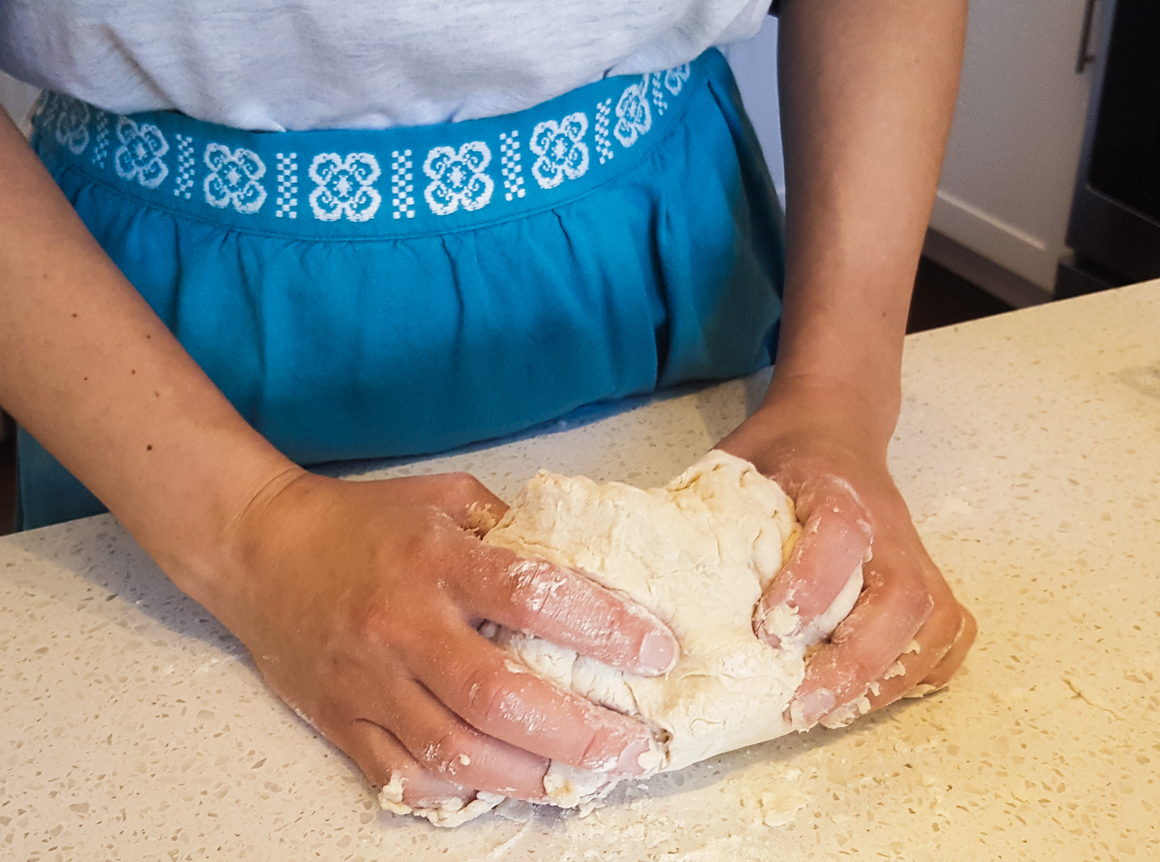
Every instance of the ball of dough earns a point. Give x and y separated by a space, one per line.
698 553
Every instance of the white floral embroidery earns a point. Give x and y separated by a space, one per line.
633 117
345 188
140 155
603 145
675 78
72 125
458 178
561 150
658 96
510 167
287 186
185 166
402 184
233 178
101 147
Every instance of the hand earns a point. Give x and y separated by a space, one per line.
360 602
906 631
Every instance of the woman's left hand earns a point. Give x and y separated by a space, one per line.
864 126
907 631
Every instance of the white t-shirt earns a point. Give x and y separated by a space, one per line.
309 64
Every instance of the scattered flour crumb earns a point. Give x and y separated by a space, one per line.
778 808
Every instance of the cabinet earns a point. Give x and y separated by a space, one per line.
1006 186
1005 192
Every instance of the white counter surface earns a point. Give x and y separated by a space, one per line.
133 727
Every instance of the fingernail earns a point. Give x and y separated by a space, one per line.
658 652
779 623
815 705
639 757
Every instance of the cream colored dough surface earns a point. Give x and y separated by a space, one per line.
698 553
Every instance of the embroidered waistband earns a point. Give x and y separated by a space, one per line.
352 183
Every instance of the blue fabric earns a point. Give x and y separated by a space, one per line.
366 294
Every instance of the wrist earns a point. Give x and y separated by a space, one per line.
207 559
820 402
823 416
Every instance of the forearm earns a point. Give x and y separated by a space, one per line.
867 94
94 375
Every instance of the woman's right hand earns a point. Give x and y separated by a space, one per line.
360 602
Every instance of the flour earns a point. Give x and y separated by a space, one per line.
452 812
698 553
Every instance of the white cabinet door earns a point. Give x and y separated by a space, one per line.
1006 185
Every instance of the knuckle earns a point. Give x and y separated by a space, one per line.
532 588
462 487
373 623
446 756
857 677
423 789
916 605
384 771
487 698
589 750
853 674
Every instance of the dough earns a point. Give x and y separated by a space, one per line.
698 553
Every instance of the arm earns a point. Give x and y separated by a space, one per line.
867 90
358 601
94 375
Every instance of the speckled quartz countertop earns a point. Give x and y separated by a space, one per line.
133 727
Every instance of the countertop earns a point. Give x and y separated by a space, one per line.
134 727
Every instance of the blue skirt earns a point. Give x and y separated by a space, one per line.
362 294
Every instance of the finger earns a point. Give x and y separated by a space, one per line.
888 615
382 758
567 608
459 496
931 643
922 654
941 674
448 748
473 507
819 584
481 684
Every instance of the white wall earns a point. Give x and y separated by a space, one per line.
754 65
16 97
